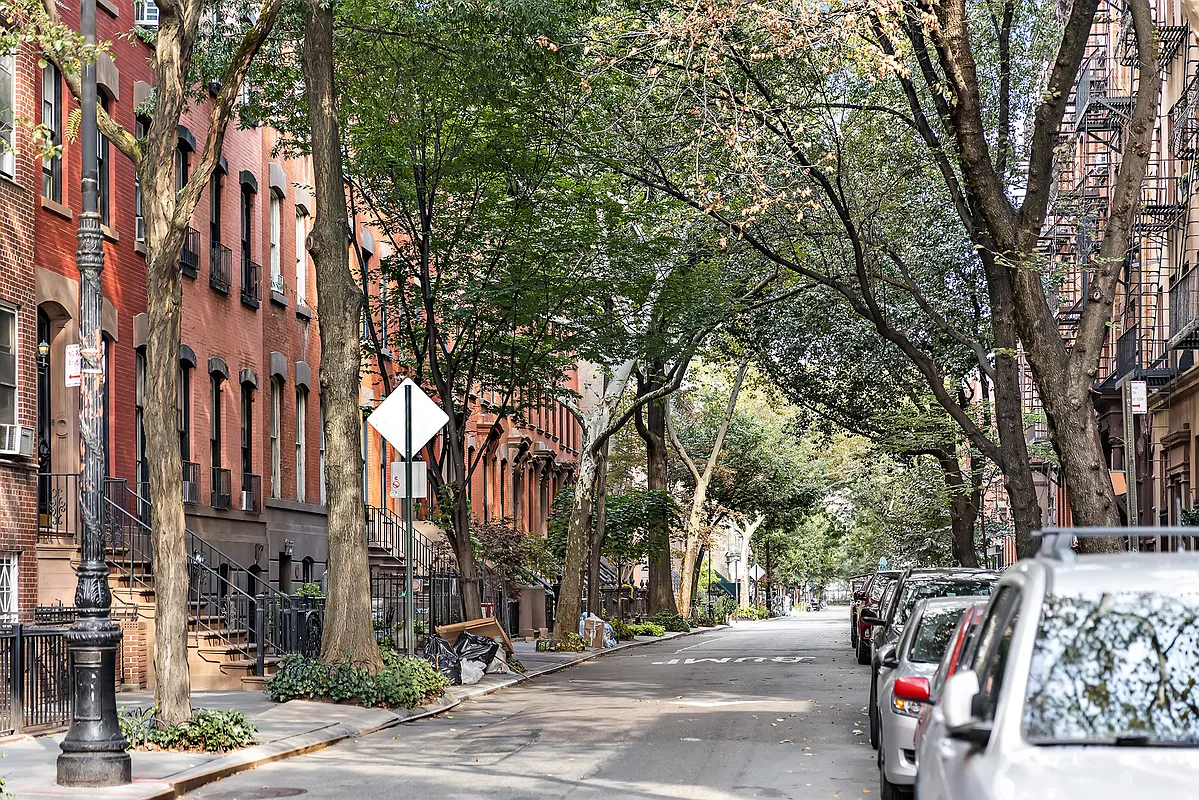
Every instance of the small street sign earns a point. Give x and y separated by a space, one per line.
1139 395
74 366
427 418
756 573
420 477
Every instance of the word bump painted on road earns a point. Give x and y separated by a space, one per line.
742 660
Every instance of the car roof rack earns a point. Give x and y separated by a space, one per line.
1058 542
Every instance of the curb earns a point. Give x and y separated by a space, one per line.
312 741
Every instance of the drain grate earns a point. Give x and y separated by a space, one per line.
265 793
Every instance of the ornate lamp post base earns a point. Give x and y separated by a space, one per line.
93 751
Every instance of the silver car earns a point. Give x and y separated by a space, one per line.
905 673
1084 683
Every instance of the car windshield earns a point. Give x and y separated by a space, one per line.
933 634
915 591
1115 668
880 584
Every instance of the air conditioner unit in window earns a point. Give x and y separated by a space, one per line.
145 13
16 441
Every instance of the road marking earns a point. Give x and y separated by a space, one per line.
743 659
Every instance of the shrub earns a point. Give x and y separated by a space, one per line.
671 622
705 622
404 681
622 631
207 731
647 629
573 643
310 590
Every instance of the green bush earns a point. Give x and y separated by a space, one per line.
310 590
671 622
622 631
573 643
705 622
752 612
404 681
647 629
207 731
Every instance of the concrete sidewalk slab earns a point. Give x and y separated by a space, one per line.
285 730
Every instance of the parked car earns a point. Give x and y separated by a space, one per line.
874 591
916 585
959 652
857 594
1081 684
905 683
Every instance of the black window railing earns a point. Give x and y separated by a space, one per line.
251 282
189 256
222 494
191 483
251 493
220 276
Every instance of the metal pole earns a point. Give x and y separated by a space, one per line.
409 606
93 751
1130 461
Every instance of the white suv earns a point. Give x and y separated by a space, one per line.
1084 682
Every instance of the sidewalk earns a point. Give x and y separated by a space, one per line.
285 730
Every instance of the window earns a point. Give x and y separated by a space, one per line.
182 165
301 436
214 433
145 13
102 169
216 187
139 229
276 413
8 366
322 461
106 348
383 314
185 411
276 224
301 256
993 646
8 105
8 587
141 466
247 429
52 119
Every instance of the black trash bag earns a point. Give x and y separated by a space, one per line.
471 647
441 655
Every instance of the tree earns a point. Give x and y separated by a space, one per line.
188 55
348 631
699 496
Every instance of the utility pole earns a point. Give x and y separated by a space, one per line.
93 751
1130 454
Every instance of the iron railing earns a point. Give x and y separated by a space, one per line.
251 282
385 530
1184 311
35 695
251 493
189 256
1184 122
220 265
222 491
191 483
57 506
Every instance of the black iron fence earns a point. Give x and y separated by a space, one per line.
35 695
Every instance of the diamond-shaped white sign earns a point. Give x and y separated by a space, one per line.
427 418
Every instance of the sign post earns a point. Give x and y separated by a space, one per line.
408 419
1136 401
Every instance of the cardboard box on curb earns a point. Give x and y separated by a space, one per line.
488 626
593 633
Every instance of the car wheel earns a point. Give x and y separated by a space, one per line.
863 651
872 711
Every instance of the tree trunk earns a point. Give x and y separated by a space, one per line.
348 631
693 593
661 589
570 595
691 545
1009 412
963 510
596 545
172 693
464 551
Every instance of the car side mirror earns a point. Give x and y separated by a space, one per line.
871 618
859 596
957 699
887 658
975 733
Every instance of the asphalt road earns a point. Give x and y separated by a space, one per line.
772 709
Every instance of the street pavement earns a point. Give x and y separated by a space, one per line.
772 709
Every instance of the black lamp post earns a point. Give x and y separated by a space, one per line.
93 751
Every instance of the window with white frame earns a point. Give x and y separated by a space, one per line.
8 366
321 467
8 106
276 413
52 120
301 439
276 226
145 13
8 587
301 256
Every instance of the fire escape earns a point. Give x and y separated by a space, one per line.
1183 330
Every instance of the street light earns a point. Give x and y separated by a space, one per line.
93 751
